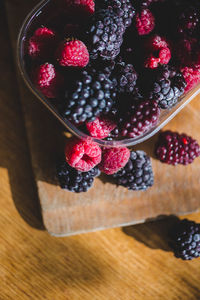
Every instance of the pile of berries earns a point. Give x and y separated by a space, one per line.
111 67
118 60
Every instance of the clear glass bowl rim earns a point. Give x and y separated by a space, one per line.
73 129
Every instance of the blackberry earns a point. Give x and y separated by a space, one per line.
92 94
185 240
105 34
141 117
73 180
174 148
123 9
124 77
137 174
188 20
164 84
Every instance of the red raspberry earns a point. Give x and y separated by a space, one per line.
101 127
114 159
174 148
42 44
47 80
144 22
82 155
192 77
72 54
86 5
157 52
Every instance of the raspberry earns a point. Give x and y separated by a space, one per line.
185 239
141 118
144 22
105 34
192 77
85 5
124 77
113 159
73 180
157 52
163 84
42 44
72 54
101 127
137 173
82 155
174 148
47 80
91 94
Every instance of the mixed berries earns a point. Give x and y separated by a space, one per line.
120 55
111 67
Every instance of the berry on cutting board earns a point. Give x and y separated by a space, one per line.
82 155
74 180
137 173
174 148
113 159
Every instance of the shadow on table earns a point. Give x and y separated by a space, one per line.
154 235
14 154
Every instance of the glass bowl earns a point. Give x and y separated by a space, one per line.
34 19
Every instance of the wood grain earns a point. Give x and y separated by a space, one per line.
176 190
133 263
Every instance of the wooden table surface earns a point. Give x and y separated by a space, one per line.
120 264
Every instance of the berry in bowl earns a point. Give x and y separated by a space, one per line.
114 72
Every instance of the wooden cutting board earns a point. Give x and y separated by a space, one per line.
176 189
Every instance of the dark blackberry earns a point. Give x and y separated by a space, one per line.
174 148
185 240
73 180
92 94
164 85
124 77
123 9
137 174
105 34
147 3
188 20
140 118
